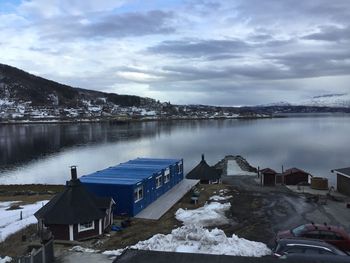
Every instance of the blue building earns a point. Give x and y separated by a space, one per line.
135 184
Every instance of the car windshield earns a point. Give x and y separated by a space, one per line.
298 230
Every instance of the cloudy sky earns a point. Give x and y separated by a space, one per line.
239 52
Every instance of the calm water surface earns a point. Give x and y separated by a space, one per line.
43 153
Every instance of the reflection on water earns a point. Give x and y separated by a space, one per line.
43 153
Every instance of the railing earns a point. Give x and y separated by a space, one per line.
39 254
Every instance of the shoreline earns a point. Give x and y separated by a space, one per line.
165 119
123 121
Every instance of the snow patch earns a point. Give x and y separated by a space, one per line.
234 169
116 252
83 249
196 239
220 198
212 214
10 222
5 259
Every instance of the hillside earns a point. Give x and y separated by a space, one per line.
23 95
28 98
17 84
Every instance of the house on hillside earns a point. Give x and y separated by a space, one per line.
205 173
268 177
294 176
343 180
75 213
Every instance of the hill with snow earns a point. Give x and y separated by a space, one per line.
329 100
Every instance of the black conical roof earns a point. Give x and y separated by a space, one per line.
74 205
204 172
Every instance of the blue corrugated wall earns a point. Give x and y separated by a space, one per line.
123 193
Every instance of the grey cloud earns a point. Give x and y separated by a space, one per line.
201 48
291 11
276 67
110 26
228 72
313 64
330 33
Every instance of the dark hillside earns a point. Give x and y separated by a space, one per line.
19 85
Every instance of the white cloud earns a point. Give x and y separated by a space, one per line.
52 8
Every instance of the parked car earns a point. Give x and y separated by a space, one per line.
334 235
314 258
305 246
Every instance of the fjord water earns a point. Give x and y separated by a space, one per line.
42 153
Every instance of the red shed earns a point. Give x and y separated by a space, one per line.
268 176
295 176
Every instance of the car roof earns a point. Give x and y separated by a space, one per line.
312 242
325 227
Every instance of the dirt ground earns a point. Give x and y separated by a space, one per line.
29 193
260 212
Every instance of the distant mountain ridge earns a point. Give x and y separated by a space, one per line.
336 100
329 100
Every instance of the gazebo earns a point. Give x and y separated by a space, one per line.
205 173
75 213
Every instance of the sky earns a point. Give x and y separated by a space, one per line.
237 52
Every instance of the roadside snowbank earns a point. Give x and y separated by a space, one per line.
212 214
10 221
196 239
5 259
234 169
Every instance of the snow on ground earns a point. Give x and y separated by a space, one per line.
196 239
234 169
115 253
83 249
5 259
193 237
220 198
10 221
212 214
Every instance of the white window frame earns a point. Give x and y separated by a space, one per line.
159 182
82 228
167 175
180 167
139 193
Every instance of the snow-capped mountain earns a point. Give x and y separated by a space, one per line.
329 100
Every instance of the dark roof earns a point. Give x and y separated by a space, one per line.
148 256
268 171
204 172
345 171
293 171
72 206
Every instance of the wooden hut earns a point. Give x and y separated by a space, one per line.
295 176
205 173
343 180
75 213
268 177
